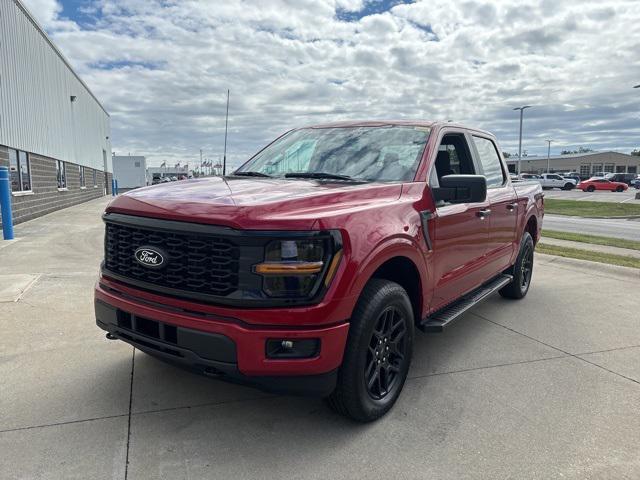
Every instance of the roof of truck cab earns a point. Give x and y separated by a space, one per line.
408 123
374 123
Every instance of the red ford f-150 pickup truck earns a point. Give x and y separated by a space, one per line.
308 269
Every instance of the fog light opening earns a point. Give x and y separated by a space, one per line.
291 348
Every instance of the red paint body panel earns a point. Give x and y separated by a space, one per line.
377 221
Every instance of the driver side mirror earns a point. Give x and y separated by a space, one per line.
461 189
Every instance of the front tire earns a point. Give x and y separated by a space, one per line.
620 189
378 353
591 188
522 270
568 186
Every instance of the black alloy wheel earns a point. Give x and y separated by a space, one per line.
378 352
386 353
522 270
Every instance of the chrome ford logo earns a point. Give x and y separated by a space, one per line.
149 257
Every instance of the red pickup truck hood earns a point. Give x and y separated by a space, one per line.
248 203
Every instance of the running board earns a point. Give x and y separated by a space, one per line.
445 316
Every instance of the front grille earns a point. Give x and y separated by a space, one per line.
196 262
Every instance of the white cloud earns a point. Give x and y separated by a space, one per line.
162 69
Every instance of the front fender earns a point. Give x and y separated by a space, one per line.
400 246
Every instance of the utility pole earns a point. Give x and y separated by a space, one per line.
548 153
520 141
226 126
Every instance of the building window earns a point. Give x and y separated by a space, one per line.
95 178
596 168
631 169
585 170
608 167
81 173
61 174
20 169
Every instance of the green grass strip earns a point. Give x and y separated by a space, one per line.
592 239
589 255
590 209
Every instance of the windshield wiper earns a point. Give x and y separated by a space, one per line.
250 174
319 175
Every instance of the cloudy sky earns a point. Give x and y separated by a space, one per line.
162 68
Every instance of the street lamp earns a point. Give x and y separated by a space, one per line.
548 152
520 141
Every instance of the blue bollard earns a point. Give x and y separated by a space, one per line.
113 187
116 187
5 204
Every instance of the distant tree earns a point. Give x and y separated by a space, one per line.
507 154
579 150
635 152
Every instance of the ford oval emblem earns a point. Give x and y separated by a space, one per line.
150 257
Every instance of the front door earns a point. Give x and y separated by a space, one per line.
461 230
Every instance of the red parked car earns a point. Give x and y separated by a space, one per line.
308 268
594 184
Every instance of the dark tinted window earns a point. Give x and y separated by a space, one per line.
453 157
491 166
20 171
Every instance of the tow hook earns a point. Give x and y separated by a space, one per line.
111 337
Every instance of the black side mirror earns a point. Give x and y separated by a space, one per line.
461 189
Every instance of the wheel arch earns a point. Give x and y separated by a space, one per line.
399 263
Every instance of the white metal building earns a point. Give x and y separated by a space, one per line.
54 132
130 171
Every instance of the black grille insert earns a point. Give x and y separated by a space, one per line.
196 262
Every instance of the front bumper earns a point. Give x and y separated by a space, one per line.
222 347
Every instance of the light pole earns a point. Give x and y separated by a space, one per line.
548 152
520 141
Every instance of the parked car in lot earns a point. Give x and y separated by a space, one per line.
553 180
572 175
627 178
594 184
307 269
530 176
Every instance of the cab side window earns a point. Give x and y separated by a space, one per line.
453 158
490 161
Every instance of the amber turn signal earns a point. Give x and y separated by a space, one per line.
288 268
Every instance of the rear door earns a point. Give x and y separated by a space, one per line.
503 204
461 230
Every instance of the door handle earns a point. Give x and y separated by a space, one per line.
484 213
512 206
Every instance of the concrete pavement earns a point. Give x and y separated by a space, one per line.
628 196
546 387
617 228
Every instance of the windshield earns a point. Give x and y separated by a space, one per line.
389 153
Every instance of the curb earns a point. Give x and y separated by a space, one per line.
593 268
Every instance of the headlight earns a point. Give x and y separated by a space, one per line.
294 268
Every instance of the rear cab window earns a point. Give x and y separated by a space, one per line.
489 158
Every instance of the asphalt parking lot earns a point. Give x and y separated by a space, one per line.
627 196
547 387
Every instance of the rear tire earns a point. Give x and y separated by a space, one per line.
378 353
522 270
591 188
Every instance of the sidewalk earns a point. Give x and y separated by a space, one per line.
625 252
544 387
